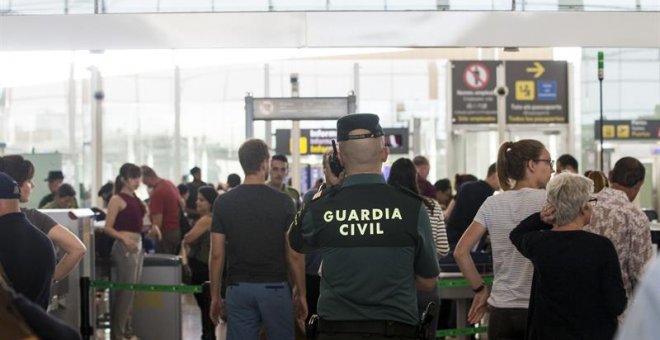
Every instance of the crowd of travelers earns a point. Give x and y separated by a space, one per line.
358 256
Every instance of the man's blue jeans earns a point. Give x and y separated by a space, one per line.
250 304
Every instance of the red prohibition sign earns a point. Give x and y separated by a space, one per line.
476 76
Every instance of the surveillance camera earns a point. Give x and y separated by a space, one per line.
98 95
501 91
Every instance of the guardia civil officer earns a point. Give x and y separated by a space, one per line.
375 241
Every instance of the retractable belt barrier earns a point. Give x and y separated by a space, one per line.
86 285
461 283
86 327
145 287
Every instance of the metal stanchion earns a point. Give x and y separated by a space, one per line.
86 329
206 290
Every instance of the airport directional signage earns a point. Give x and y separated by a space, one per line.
318 141
320 108
538 92
473 96
628 129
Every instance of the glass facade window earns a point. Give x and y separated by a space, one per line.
52 111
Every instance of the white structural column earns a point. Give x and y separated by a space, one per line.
177 122
356 85
294 166
71 112
268 129
501 91
96 86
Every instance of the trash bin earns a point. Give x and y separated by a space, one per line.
157 315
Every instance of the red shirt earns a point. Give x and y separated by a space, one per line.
165 200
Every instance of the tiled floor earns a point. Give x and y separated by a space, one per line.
191 324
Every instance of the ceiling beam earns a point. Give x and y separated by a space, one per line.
330 29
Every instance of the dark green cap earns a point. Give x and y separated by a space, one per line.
366 121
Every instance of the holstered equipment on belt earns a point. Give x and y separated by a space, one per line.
427 318
375 327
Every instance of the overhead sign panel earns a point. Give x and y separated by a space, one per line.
628 129
318 141
473 97
323 108
538 92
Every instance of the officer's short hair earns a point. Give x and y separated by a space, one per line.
251 154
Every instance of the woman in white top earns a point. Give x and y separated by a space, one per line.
523 170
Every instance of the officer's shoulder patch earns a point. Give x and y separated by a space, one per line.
327 191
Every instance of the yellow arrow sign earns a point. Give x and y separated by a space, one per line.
538 69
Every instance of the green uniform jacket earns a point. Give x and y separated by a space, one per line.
374 239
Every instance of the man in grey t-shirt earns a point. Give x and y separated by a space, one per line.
249 228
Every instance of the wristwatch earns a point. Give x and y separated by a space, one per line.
480 288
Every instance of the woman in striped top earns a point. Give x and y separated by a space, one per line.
523 170
403 174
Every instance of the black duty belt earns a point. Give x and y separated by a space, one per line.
375 327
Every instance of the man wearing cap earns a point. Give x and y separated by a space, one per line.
191 202
375 241
55 178
26 254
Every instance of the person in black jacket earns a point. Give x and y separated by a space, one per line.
17 311
577 292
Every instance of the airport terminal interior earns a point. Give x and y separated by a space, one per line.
179 85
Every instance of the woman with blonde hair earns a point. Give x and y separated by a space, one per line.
523 169
599 179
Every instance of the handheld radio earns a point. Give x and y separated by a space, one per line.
334 162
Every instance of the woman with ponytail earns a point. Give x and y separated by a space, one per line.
124 223
523 169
